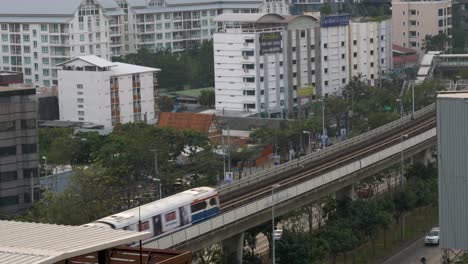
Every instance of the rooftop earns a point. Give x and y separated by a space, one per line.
251 17
117 68
16 90
185 120
25 243
195 93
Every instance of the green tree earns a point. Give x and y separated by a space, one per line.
300 247
165 103
92 194
379 119
438 42
207 98
325 9
340 238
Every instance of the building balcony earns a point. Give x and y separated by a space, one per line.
60 54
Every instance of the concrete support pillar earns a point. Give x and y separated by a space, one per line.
425 157
233 248
346 192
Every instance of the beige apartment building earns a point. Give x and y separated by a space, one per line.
413 20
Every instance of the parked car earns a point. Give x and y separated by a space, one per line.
432 238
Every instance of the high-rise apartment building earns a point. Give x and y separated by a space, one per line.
262 60
370 49
37 35
414 20
95 90
273 64
18 149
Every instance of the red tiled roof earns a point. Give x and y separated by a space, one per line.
401 49
185 121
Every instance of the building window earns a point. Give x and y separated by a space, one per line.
79 86
7 151
372 76
383 61
81 113
326 83
343 80
28 148
371 52
325 70
355 66
312 59
371 40
45 61
354 42
43 27
441 22
28 124
303 34
413 12
294 74
441 11
7 126
325 45
4 26
293 49
372 64
261 65
44 38
294 62
82 49
6 60
325 58
281 63
312 46
7 176
281 76
342 56
343 68
355 54
9 200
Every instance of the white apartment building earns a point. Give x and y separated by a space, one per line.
262 60
413 20
268 63
174 25
370 49
91 89
37 35
334 39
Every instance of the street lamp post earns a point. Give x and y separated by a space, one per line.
308 132
412 95
273 260
401 161
156 170
401 106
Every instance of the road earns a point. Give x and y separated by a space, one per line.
413 254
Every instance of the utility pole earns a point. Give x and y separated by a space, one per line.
229 148
155 151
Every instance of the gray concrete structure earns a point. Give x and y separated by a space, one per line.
452 124
18 149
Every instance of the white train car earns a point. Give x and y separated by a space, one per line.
166 215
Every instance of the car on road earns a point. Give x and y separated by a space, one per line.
432 238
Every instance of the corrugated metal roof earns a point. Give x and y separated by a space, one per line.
39 7
120 68
91 59
26 243
35 19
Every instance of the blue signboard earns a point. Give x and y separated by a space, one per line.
334 21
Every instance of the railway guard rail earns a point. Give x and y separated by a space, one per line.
255 178
265 203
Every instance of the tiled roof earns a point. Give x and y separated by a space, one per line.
185 121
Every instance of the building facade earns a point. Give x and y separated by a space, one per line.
98 91
34 38
412 21
272 64
370 49
261 60
19 180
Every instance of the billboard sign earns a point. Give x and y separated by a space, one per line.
270 42
305 91
334 21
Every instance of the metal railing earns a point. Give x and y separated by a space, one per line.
338 147
252 208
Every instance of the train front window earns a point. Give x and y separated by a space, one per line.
198 206
213 202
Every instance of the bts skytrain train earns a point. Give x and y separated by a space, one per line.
166 215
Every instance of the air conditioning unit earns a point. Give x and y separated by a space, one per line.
246 44
246 70
246 57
